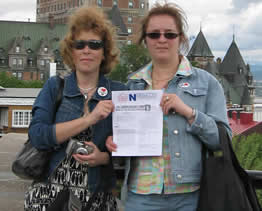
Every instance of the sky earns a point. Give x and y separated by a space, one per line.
218 20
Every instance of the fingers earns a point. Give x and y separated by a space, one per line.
168 103
102 110
110 145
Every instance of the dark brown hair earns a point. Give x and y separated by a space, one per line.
91 19
170 9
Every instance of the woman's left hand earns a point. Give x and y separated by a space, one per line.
93 159
171 102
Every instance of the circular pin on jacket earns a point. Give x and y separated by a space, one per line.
184 85
102 91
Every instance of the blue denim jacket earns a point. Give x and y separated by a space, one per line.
203 92
42 129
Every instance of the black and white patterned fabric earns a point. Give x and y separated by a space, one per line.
69 174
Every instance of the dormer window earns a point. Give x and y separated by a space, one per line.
17 49
115 3
45 49
99 3
240 70
130 4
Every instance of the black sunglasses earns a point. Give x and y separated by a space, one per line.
167 35
92 44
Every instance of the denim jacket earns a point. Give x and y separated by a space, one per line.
201 91
42 129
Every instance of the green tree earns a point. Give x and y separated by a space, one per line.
132 57
249 153
8 81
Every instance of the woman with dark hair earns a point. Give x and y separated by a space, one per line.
76 133
192 103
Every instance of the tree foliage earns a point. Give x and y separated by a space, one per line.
9 81
249 153
132 57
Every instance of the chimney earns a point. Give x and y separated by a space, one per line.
234 115
51 21
246 117
229 114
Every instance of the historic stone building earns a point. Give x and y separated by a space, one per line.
125 14
234 75
27 48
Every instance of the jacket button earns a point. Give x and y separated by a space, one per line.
179 176
175 132
177 154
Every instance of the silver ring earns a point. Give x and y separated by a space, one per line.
85 163
167 98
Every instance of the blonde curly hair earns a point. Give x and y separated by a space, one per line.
91 19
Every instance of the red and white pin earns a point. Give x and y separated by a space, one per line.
102 91
184 85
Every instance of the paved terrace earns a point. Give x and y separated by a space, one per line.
12 188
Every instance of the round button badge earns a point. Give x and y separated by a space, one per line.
102 91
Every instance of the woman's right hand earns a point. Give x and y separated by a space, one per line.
110 145
101 111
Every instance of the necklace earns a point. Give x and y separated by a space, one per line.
86 90
165 79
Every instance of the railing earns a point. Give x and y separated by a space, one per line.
256 177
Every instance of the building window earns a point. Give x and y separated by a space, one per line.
115 3
14 62
41 76
142 5
129 30
30 62
42 62
130 19
21 118
14 74
45 49
17 49
20 63
130 4
2 60
19 75
99 3
129 42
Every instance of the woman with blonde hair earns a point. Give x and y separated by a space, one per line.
192 103
80 173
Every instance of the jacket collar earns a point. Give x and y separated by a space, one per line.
103 91
184 70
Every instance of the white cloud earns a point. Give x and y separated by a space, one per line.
219 19
18 10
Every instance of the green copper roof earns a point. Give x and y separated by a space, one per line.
31 33
200 47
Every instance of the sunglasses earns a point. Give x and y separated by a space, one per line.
92 44
167 35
